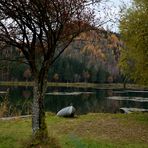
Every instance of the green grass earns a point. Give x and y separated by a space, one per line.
85 131
14 132
78 85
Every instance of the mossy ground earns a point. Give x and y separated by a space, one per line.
85 131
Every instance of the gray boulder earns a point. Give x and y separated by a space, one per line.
67 112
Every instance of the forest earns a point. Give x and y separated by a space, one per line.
92 57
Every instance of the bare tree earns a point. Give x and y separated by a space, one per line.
42 30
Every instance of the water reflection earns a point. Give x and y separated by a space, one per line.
84 100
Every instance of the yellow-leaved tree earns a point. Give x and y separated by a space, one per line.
134 32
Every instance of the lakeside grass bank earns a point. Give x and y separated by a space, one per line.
85 131
79 85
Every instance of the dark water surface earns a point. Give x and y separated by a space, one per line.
84 100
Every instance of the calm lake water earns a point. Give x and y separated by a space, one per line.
84 100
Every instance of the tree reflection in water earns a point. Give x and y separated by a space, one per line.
84 100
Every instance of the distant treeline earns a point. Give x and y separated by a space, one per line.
63 70
91 57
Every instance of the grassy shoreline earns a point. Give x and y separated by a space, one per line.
80 85
87 131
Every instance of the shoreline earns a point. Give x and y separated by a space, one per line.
80 85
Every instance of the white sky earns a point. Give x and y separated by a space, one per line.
113 8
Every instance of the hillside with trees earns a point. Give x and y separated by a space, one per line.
92 57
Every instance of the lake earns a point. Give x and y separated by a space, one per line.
84 100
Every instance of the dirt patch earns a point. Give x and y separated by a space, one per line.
113 129
109 128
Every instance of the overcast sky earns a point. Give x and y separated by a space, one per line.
113 7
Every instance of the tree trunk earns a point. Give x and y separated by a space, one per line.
124 82
39 128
